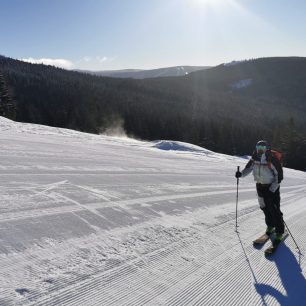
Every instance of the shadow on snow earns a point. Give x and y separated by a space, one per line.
290 274
291 277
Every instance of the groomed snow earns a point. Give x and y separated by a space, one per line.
96 220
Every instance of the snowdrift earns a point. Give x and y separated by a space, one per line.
168 145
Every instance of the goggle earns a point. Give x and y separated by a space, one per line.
261 148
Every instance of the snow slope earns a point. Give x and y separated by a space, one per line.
96 220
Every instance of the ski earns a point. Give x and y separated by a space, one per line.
271 249
261 240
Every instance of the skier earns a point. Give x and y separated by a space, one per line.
268 174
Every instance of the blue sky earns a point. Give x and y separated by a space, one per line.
120 34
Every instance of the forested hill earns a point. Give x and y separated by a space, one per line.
226 108
145 74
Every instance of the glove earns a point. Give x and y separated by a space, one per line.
238 174
273 187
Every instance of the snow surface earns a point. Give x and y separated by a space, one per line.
96 220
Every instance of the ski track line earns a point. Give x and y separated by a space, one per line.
100 173
169 280
241 216
124 282
138 288
97 192
226 265
59 247
32 258
161 255
66 295
36 212
268 273
236 272
203 298
142 301
123 204
50 187
82 294
196 288
145 200
94 205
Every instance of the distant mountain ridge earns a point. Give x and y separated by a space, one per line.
150 73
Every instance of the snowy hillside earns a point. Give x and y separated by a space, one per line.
97 220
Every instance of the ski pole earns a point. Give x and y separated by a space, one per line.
238 168
292 237
290 233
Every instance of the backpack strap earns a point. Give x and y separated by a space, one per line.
272 160
276 163
269 159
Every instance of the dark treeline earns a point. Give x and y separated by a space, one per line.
225 108
7 105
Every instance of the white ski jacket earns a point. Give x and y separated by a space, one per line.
264 172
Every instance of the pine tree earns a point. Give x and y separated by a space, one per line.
293 145
7 106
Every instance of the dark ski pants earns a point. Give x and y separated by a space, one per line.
270 204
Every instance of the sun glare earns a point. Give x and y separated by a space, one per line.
211 3
206 2
219 6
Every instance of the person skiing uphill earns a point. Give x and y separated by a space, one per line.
268 174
